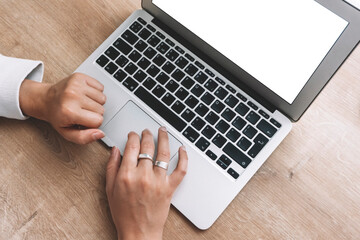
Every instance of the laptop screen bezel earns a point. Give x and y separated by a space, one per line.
327 68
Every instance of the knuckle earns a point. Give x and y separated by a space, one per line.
126 179
147 145
182 172
164 154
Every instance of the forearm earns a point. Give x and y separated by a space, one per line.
33 98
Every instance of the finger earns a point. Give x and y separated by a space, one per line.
95 95
178 174
92 82
92 106
163 150
112 169
146 146
81 136
87 118
131 152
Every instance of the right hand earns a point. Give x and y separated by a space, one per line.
139 193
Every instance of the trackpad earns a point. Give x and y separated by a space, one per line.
132 118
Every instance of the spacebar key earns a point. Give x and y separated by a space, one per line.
160 108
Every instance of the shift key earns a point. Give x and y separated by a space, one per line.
237 155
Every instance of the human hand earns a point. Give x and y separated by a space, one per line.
138 192
73 106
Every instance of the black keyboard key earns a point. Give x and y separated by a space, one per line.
222 126
233 173
252 105
230 88
191 101
149 83
122 46
181 62
208 132
187 82
178 107
242 109
162 78
252 117
159 60
120 75
141 21
223 161
168 67
135 56
239 95
178 75
244 144
219 80
161 109
191 134
160 35
237 155
249 131
228 114
179 49
264 114
199 65
111 68
217 106
172 55
211 85
221 93
231 101
201 77
143 63
211 155
122 61
153 40
129 37
130 83
212 118
131 68
136 27
266 128
202 144
210 73
144 34
181 93
233 135
163 47
168 99
102 60
158 91
150 52
239 123
140 76
198 123
260 141
276 123
151 28
112 53
153 70
201 109
188 115
197 90
188 56
141 45
219 140
172 86
191 69
171 43
207 98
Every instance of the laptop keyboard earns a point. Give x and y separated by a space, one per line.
190 97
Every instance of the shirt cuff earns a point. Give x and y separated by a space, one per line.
13 71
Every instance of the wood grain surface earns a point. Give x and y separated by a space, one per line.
53 189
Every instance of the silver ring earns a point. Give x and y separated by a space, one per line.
145 156
161 164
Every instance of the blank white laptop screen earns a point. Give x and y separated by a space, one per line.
279 42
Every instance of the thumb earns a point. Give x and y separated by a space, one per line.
81 136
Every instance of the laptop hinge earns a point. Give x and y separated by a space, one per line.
214 65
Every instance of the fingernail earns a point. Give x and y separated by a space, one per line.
98 135
183 148
163 128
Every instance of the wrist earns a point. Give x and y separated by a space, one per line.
33 99
140 236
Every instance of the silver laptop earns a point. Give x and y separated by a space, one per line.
227 79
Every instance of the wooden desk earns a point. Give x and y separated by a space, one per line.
52 189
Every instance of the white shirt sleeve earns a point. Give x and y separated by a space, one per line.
13 71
